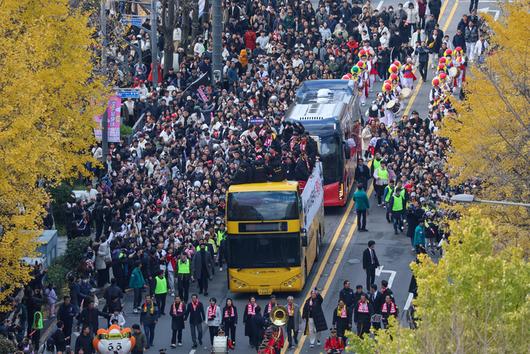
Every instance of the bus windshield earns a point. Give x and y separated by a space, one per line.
264 251
331 157
252 206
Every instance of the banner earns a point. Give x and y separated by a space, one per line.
313 195
113 121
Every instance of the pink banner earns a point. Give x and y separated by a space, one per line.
113 121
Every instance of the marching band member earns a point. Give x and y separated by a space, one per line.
436 91
459 62
445 83
372 70
364 81
408 76
388 96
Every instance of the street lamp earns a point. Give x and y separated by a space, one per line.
470 198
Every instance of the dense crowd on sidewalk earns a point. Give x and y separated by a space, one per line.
157 211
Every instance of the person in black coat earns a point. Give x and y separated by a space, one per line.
434 8
315 321
177 312
302 170
229 320
362 315
195 313
256 327
377 299
342 316
90 317
370 263
362 174
66 314
84 342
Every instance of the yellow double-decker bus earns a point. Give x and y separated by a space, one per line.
274 232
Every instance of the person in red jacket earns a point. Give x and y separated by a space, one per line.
276 341
250 39
334 344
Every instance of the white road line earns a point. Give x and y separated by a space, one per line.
407 304
192 351
379 271
380 5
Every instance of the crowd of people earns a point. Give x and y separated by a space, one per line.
156 213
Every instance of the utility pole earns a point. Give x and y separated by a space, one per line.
217 29
154 43
104 118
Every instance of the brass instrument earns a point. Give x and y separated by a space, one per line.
279 316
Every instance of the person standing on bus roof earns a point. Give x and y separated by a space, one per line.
362 204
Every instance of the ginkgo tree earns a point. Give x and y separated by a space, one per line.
490 134
474 300
48 98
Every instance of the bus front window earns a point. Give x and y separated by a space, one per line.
264 251
262 206
331 157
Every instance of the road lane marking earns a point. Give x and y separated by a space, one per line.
409 302
333 272
446 25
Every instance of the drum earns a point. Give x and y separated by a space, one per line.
454 71
393 106
405 93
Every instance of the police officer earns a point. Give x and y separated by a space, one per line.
398 207
183 277
387 195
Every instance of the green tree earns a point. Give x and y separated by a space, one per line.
474 300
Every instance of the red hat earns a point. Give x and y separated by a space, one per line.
393 77
442 60
442 76
387 87
397 63
448 52
393 69
436 81
458 49
345 77
362 53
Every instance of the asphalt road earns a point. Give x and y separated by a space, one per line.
344 259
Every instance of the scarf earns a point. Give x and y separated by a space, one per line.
194 304
251 309
290 309
211 311
176 310
231 313
392 308
363 307
269 308
341 312
151 309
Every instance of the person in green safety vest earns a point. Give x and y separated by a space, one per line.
387 196
183 277
221 242
381 178
36 327
161 291
398 202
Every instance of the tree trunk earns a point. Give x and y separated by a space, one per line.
186 24
195 19
168 25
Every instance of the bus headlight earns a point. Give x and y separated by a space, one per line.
289 283
341 190
238 283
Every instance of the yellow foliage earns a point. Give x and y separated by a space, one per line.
490 136
474 300
46 120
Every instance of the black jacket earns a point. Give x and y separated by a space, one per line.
362 173
85 343
315 311
367 259
377 301
347 296
196 315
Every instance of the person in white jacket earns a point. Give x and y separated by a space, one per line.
213 318
412 16
480 49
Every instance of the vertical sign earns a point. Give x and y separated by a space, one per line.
113 119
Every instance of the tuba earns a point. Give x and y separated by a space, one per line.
279 316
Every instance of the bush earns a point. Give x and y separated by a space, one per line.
56 274
6 346
60 196
125 130
75 250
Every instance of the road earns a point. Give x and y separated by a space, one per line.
341 255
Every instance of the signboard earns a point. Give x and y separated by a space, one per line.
113 120
125 93
133 20
313 195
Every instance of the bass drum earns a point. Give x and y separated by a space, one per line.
393 106
454 72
